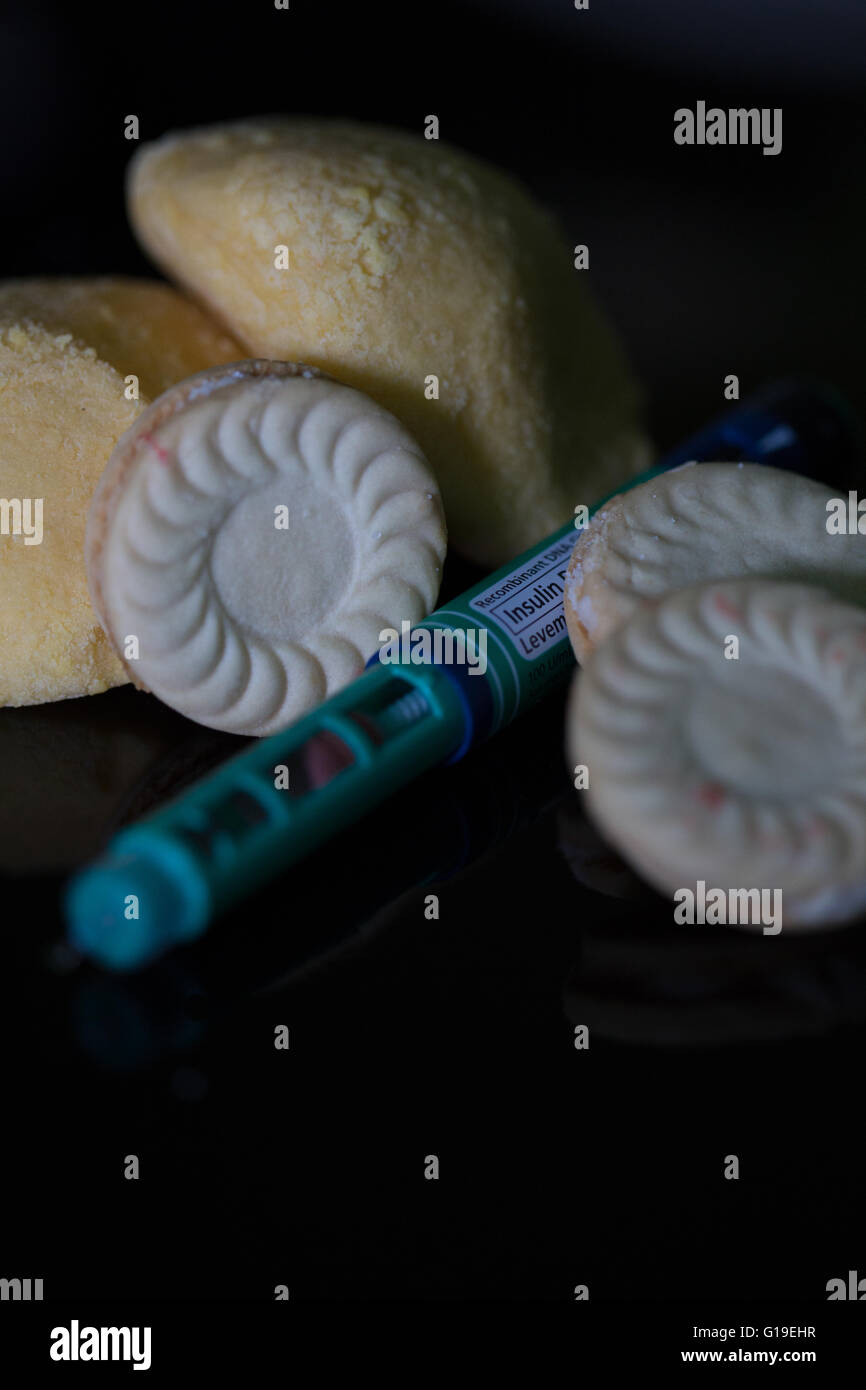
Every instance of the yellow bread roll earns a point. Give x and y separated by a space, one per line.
67 348
406 260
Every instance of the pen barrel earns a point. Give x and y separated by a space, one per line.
272 804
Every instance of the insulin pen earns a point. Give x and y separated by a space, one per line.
161 881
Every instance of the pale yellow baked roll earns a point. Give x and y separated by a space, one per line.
406 260
68 349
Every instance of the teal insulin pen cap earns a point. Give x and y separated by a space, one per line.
436 689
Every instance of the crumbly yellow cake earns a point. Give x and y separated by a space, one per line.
389 260
67 348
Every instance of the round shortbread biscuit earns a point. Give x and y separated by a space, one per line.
698 523
745 772
252 534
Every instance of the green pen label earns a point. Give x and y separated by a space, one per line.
527 605
520 609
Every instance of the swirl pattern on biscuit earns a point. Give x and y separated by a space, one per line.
243 625
747 770
698 523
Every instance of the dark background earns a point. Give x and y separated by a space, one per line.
454 1037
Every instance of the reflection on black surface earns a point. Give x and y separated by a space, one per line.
126 1029
643 980
197 752
439 827
65 766
714 989
640 979
593 862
